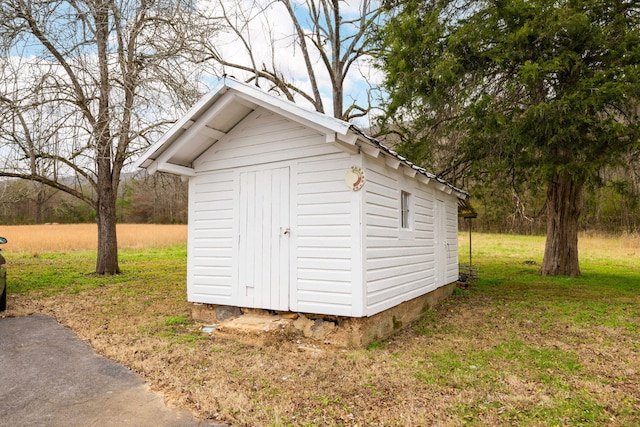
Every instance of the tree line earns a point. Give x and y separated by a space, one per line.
610 208
613 208
156 199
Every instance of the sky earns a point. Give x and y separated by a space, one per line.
270 34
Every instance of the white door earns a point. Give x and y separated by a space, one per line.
264 239
441 246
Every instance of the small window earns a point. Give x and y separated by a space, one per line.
405 214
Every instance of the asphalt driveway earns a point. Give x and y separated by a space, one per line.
49 377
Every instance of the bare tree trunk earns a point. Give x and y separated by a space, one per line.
564 204
337 63
40 200
107 259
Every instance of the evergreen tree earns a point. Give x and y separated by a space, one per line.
547 89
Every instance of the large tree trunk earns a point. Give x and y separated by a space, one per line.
564 203
107 259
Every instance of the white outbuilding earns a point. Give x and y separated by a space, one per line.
294 210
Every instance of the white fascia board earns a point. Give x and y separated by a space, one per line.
175 169
142 163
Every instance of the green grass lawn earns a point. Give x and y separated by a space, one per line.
514 348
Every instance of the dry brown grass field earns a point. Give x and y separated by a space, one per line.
84 237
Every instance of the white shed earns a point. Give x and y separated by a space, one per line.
293 210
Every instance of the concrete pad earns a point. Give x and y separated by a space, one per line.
49 377
253 329
252 322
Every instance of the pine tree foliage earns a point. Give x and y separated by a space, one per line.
536 90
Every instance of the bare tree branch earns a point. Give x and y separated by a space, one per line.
330 42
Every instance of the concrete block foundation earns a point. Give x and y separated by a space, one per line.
262 327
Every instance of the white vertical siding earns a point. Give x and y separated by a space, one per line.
400 264
326 224
263 264
211 273
453 269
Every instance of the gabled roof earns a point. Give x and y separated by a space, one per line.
219 111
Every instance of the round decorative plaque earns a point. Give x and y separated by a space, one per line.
354 178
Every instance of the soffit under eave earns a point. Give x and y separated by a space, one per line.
182 148
194 137
181 125
247 97
333 129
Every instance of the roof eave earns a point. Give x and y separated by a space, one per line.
205 102
398 159
332 128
